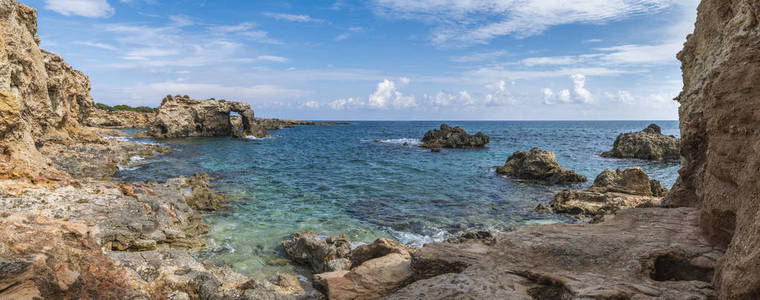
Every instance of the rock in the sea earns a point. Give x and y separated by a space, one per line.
651 253
612 190
306 248
538 165
720 146
184 117
456 137
649 143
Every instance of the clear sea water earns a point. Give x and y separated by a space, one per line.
338 180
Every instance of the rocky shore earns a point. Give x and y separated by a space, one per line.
448 137
540 166
648 143
120 119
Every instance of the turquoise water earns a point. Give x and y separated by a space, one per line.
336 179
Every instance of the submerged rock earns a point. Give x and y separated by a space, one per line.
456 137
184 117
612 190
649 143
538 165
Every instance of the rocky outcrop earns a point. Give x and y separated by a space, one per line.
720 131
120 119
658 255
323 255
184 117
612 190
275 124
43 100
649 143
456 137
367 272
538 165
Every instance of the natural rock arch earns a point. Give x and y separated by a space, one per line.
180 116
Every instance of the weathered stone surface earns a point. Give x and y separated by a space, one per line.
184 117
649 143
538 165
42 99
120 119
378 248
720 131
636 254
203 198
306 248
456 137
372 279
612 190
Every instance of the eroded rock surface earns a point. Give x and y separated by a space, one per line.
720 131
456 137
612 190
538 165
649 143
185 117
120 119
659 254
323 255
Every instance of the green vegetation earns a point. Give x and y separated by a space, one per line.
122 107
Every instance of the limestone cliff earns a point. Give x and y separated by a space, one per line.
720 130
183 117
42 99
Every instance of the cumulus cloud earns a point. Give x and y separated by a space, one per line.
579 94
311 104
346 103
387 95
84 8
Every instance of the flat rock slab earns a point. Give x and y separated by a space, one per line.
638 253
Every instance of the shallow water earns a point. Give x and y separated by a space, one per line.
337 179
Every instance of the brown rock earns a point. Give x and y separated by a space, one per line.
636 254
203 197
378 248
538 165
456 137
649 143
720 130
184 117
612 190
373 279
120 119
306 248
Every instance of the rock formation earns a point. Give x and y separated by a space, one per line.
720 131
456 137
538 165
649 143
612 190
625 257
42 99
185 117
120 119
367 272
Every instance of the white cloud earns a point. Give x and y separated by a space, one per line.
475 57
95 45
84 8
342 36
387 95
181 20
621 96
311 104
346 103
292 17
581 93
273 58
478 21
551 60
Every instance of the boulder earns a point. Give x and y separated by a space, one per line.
612 190
720 146
538 165
373 279
308 249
184 117
378 248
651 253
649 143
456 137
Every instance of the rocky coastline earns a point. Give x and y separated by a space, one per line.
71 232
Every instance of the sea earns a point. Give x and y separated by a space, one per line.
370 179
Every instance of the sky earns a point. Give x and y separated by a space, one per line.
382 59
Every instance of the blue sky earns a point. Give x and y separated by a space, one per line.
382 59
